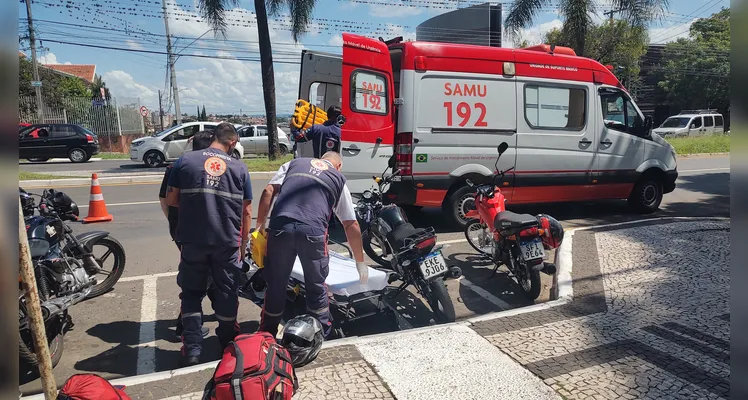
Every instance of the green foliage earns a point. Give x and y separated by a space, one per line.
204 115
701 144
696 70
616 43
74 87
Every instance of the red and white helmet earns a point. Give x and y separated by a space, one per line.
554 232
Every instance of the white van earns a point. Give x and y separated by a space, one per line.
574 133
692 123
169 144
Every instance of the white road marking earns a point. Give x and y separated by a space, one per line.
147 354
485 294
705 170
154 276
135 203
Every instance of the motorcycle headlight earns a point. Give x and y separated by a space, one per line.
367 195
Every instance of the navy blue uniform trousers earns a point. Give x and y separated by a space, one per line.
197 265
290 239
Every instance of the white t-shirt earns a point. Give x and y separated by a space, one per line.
344 210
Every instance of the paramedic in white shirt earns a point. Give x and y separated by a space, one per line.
309 191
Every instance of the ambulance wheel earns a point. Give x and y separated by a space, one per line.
647 194
458 204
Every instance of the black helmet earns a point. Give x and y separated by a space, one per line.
554 232
302 337
65 206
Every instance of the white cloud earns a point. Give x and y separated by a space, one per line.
398 30
134 45
534 34
336 40
49 58
121 85
386 10
670 33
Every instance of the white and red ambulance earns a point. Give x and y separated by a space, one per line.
574 133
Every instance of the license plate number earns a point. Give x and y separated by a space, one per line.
433 265
532 249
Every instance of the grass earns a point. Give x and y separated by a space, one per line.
263 164
701 144
113 156
33 176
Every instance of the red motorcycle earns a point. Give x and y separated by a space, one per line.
518 241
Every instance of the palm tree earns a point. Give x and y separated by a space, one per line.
576 14
301 14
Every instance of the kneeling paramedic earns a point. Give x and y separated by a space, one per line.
309 190
214 196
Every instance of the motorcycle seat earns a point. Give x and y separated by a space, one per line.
507 220
398 235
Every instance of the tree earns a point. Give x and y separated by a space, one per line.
99 83
198 116
301 14
616 43
576 14
204 116
696 70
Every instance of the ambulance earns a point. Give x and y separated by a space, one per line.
574 133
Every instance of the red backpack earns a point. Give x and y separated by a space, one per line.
90 387
253 367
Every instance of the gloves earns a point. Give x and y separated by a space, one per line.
363 272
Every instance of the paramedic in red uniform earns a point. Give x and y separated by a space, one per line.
309 191
214 195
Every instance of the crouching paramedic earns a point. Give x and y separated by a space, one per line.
309 190
214 195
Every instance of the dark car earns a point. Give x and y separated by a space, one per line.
40 142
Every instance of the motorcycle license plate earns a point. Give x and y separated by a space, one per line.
433 265
532 249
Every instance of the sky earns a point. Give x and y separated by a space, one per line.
232 82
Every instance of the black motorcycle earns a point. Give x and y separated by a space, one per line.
411 253
64 265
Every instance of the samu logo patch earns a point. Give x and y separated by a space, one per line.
215 166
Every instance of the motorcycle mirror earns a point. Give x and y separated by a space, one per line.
502 148
391 162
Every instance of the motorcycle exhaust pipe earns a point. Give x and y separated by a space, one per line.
548 268
453 272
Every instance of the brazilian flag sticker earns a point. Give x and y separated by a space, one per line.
422 158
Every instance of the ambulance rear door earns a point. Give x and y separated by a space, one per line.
368 132
319 84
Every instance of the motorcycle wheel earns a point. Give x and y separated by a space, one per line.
528 280
478 236
372 252
115 248
26 349
440 302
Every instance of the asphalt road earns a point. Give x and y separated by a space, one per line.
130 330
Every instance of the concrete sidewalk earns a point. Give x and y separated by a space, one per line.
646 316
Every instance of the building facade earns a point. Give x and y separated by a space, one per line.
478 25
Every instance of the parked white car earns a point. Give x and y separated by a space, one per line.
692 123
170 144
254 138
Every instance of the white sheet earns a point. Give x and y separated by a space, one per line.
343 277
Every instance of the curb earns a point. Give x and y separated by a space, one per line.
702 155
563 280
115 180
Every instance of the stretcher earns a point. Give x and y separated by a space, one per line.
349 299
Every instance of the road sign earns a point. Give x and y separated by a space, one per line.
143 111
36 83
97 103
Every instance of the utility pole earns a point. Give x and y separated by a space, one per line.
171 65
611 12
32 40
160 112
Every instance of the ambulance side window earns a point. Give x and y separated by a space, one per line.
324 95
369 92
555 107
619 113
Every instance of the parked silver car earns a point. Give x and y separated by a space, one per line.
170 144
254 138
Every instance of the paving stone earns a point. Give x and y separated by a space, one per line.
649 318
360 382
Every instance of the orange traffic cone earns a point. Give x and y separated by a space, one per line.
96 205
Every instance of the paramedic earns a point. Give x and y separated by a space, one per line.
325 137
200 141
309 190
214 196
